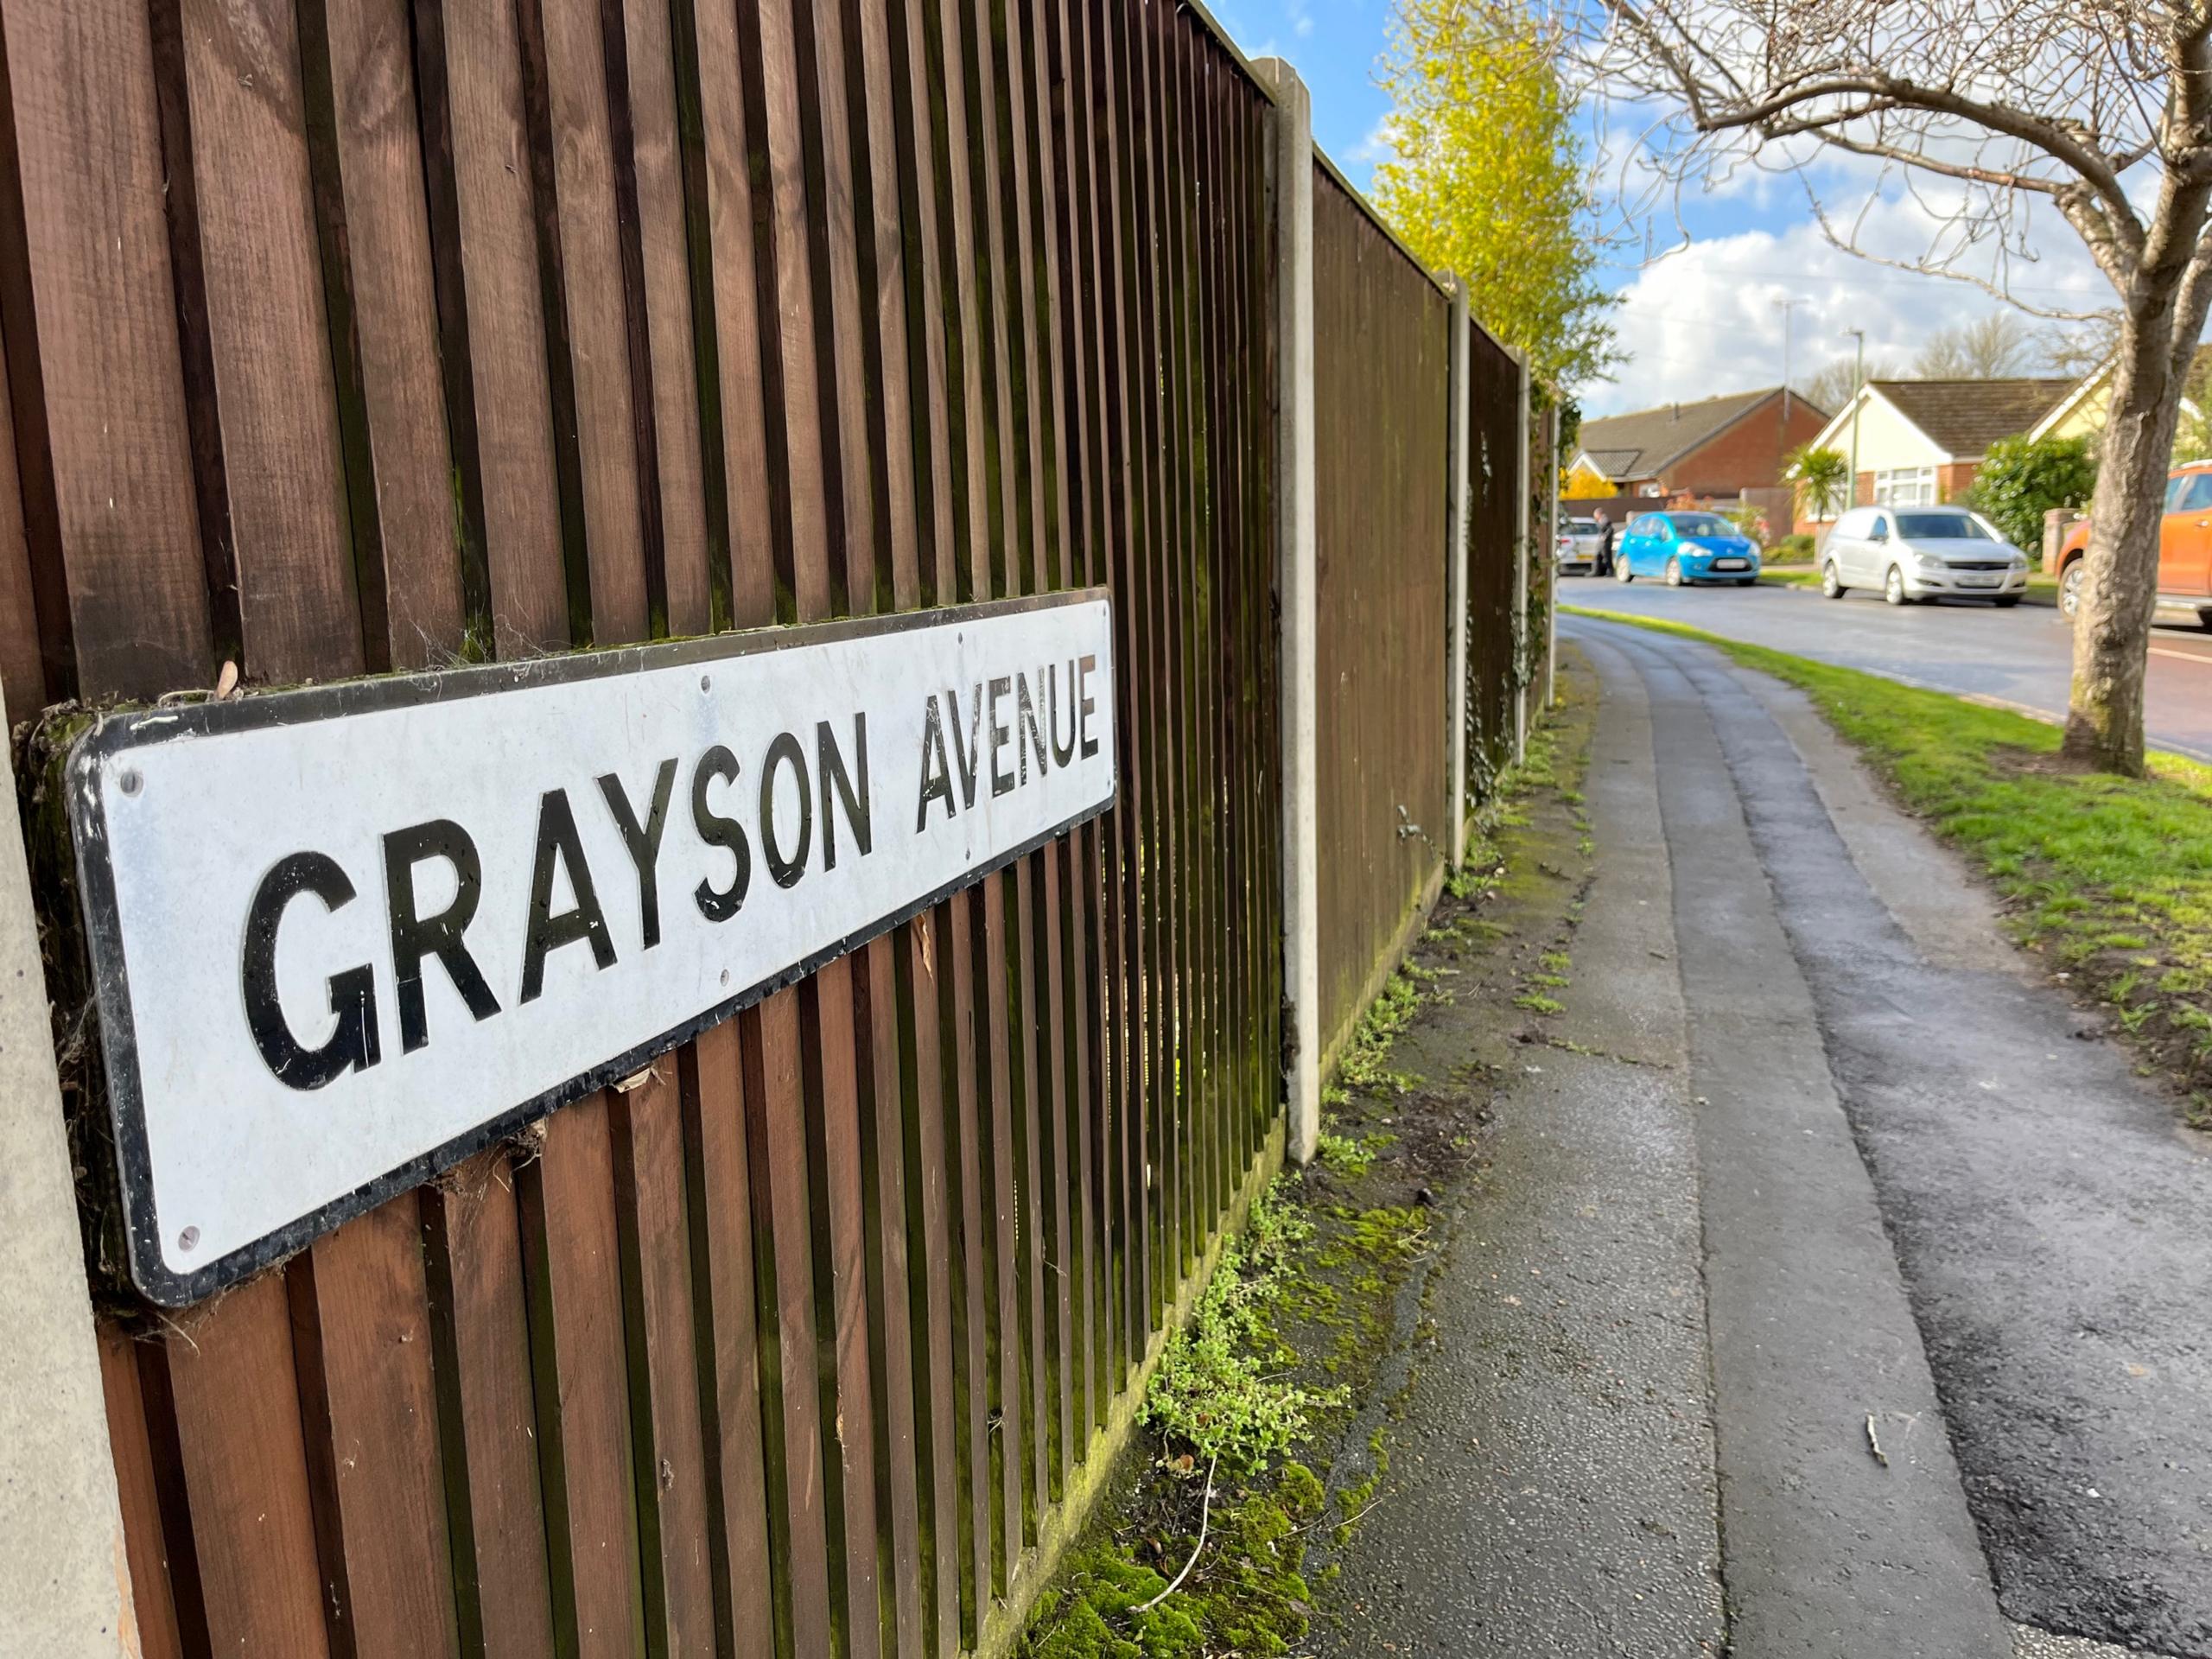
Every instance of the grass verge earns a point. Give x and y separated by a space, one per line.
2109 879
2042 590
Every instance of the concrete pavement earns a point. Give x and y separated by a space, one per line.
1811 1164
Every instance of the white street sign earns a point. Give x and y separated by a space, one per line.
344 937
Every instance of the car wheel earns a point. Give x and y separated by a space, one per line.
1893 586
1673 572
2204 620
1621 569
2070 589
1831 581
2006 601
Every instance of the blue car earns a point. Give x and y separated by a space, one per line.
1686 547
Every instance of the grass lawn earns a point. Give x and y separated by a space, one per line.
2110 879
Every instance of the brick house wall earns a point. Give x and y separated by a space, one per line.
1747 454
1952 481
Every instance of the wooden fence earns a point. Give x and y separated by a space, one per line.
1382 402
349 336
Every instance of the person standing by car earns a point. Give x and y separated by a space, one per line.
1604 542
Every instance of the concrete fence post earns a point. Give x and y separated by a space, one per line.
1455 578
1547 552
64 1589
1295 578
1523 483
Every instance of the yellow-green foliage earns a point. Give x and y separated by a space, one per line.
1221 1390
1363 1063
1489 178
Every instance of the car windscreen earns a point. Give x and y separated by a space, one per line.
1580 526
1939 526
1701 523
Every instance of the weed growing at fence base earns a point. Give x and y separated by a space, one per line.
2110 879
1222 1389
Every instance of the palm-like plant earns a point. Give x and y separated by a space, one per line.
1823 479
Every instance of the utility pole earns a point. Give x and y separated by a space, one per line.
1858 386
1786 308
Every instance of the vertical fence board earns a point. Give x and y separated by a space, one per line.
233 1396
491 318
573 1253
668 1452
261 308
23 674
361 1339
390 281
138 1495
99 403
663 286
487 1408
715 1126
791 1408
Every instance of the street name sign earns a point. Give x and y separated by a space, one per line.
342 938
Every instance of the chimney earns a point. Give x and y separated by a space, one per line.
1674 413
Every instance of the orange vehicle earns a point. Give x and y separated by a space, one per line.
2184 548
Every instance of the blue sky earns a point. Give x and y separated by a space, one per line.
1708 318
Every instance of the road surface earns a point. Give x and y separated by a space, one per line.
2020 656
1858 1288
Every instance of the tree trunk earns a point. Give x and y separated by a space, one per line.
2112 631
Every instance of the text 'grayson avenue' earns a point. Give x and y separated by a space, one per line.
1004 732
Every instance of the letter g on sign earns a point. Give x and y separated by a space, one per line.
353 993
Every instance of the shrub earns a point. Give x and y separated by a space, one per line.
1793 549
2024 478
1823 479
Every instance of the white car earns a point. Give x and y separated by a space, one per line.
1579 542
1908 555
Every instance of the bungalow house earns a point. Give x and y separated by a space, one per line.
1713 450
2080 413
1921 442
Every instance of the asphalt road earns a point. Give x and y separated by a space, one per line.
2021 656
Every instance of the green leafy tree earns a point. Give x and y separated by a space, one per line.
1823 477
2022 479
1489 179
2193 431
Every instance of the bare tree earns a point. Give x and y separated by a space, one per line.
1993 116
1828 388
1989 349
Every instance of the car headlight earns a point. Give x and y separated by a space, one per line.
1927 561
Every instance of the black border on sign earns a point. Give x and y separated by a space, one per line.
117 734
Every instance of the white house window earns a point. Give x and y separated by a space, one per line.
1652 491
1905 486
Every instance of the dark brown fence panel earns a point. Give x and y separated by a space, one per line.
1493 532
1380 399
355 335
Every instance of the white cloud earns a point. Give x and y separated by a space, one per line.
1376 147
1708 318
